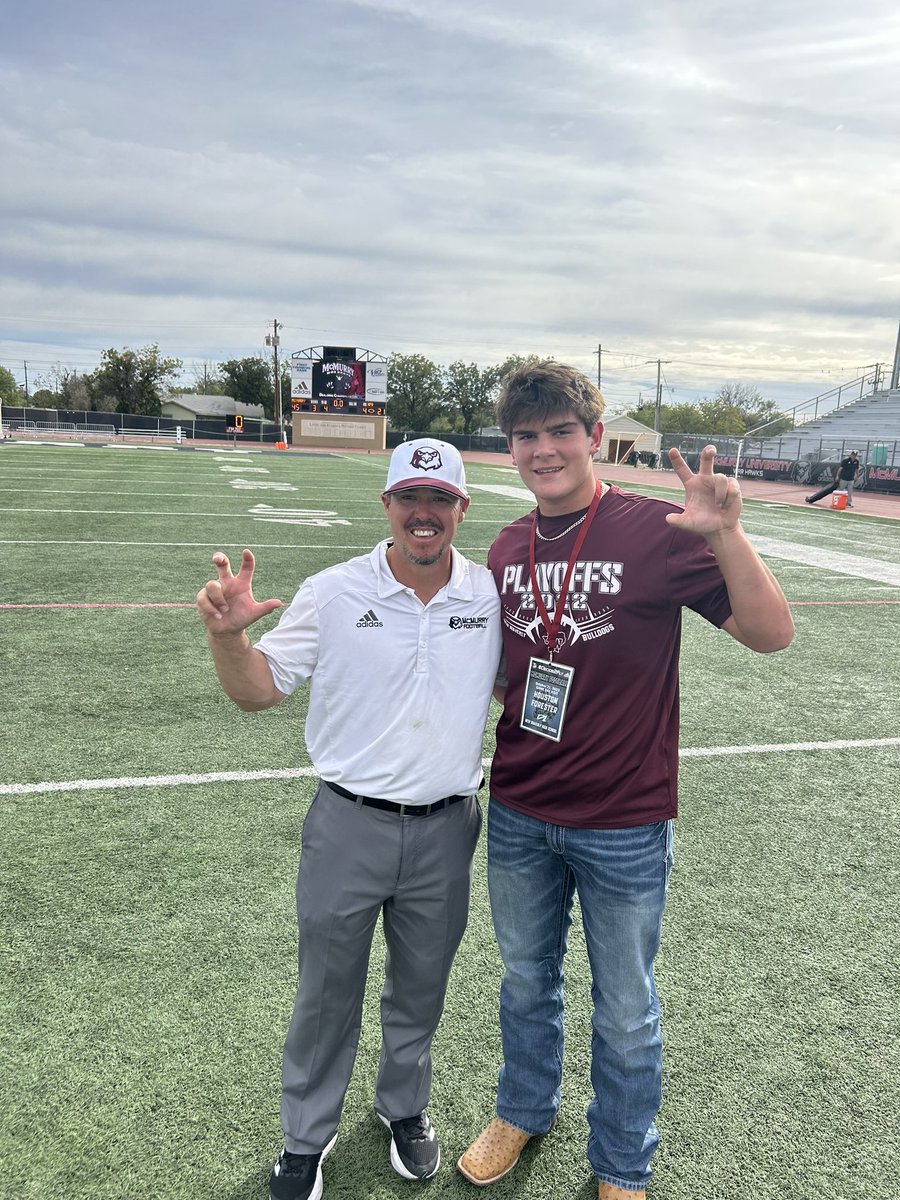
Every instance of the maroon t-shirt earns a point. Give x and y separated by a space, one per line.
617 762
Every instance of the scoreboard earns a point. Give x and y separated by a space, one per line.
340 382
355 406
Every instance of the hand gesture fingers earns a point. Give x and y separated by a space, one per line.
684 472
712 501
223 566
707 460
680 467
245 570
226 604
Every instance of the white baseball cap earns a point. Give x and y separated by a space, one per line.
427 462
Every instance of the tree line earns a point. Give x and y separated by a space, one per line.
733 411
423 396
140 381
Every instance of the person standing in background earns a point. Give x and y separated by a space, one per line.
847 473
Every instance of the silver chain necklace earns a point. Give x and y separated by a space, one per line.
557 536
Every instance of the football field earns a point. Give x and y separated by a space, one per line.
150 831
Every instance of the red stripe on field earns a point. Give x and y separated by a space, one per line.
167 605
798 602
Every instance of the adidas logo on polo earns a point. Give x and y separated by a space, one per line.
369 621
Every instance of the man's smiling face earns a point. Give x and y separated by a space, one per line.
423 521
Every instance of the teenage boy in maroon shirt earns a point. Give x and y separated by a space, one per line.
584 779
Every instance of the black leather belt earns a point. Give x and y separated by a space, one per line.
404 810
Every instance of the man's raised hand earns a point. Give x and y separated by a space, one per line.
226 604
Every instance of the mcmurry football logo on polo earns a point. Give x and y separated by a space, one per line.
587 614
369 620
468 622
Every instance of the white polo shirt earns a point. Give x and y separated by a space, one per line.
400 690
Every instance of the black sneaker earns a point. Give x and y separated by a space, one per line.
298 1176
415 1153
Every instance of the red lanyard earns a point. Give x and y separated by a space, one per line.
552 627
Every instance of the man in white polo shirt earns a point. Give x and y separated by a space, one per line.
401 647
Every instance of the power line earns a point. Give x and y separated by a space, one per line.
573 346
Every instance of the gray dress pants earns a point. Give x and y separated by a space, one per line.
355 863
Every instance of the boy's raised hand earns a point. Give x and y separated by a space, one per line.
712 502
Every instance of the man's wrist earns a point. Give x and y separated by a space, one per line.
233 638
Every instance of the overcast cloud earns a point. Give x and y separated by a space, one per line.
714 184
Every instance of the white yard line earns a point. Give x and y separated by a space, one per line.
875 537
216 516
788 747
811 556
504 489
225 543
357 546
144 781
95 492
829 560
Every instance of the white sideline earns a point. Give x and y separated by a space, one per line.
787 747
829 560
143 781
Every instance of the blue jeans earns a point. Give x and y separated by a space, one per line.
621 876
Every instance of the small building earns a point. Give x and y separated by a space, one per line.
192 408
622 435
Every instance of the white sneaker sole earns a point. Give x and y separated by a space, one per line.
397 1162
319 1185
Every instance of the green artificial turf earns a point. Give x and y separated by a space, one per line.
148 941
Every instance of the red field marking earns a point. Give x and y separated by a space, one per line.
101 605
796 603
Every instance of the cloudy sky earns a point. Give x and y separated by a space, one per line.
711 183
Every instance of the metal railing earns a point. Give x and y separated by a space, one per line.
845 393
59 428
153 434
790 458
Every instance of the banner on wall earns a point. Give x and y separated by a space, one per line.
803 471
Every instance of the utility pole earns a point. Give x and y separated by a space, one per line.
895 373
599 362
658 396
25 365
272 340
658 405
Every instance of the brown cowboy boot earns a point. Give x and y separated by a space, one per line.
493 1154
